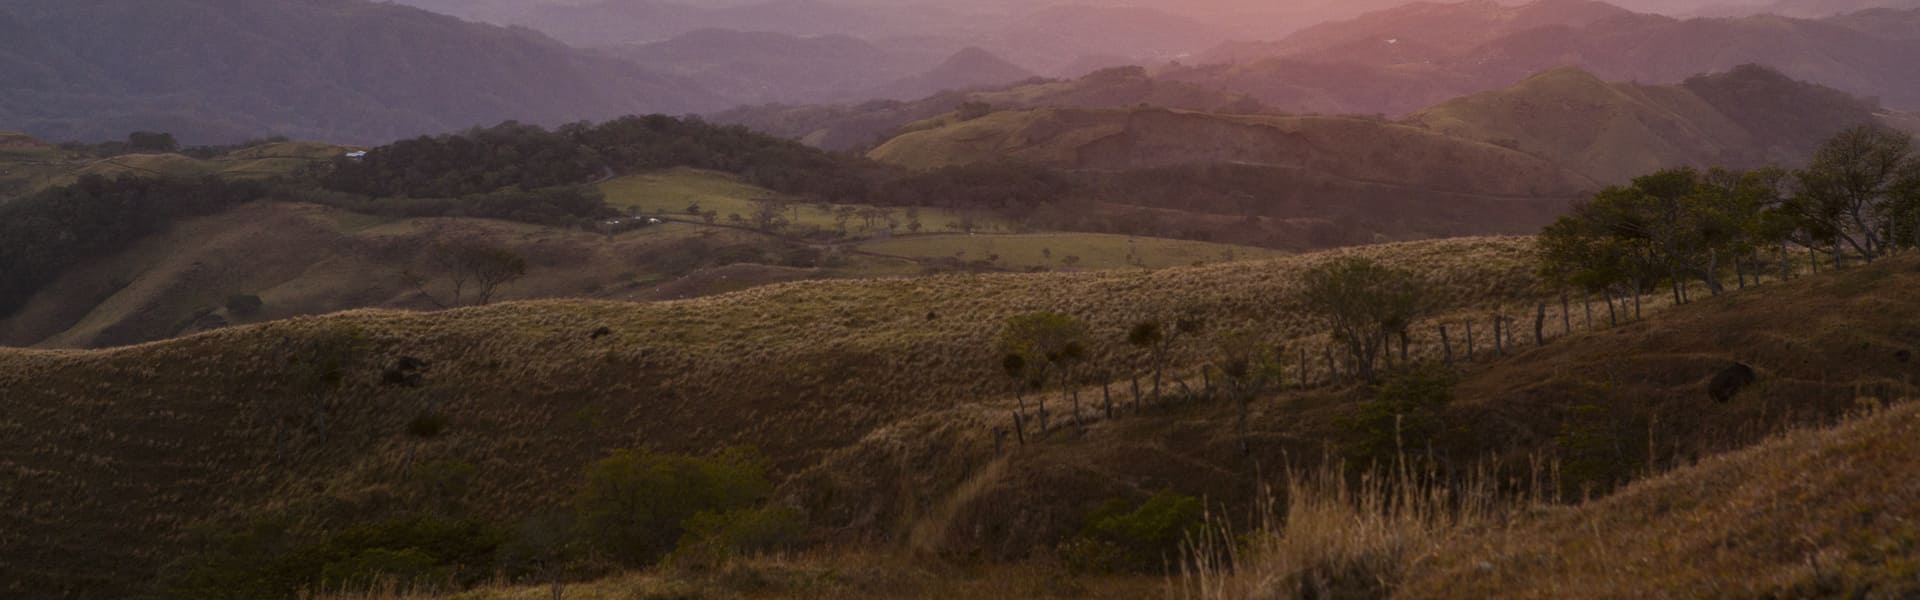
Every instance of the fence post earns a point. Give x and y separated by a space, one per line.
1499 348
1469 340
1020 427
1333 372
1446 346
1304 382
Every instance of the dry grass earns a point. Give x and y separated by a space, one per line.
1815 513
1051 251
876 399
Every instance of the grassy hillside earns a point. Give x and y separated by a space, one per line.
1346 147
846 127
1581 414
671 192
1611 132
805 371
1817 513
1050 251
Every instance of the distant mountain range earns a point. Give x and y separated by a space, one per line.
340 70
1398 60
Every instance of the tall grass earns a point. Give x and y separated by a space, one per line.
1334 535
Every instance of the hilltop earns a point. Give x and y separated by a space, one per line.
1612 132
351 71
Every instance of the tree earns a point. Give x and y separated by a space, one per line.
1364 303
1157 338
1859 190
1043 345
1248 369
474 271
149 141
767 214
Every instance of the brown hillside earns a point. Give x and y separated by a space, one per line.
229 422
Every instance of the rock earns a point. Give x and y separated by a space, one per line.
602 332
1730 381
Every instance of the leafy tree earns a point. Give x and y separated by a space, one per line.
1136 538
635 506
1248 368
1364 303
1858 191
1158 339
1041 346
474 271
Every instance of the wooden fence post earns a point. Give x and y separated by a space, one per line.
1446 346
1566 314
1587 300
1304 382
1469 340
1499 349
1020 427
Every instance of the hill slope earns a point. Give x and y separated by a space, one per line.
1616 131
345 70
846 127
1814 514
1344 147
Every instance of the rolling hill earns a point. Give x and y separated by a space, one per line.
1348 148
874 398
348 70
969 69
1612 132
846 127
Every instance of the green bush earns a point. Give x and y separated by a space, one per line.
714 538
635 506
270 558
1405 414
1122 538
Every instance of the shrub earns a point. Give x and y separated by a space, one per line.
635 506
1404 415
714 538
1142 539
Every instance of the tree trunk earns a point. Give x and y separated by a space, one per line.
1740 272
1540 325
1837 264
1636 299
1403 349
1613 318
1076 406
1813 257
1136 394
1020 427
1304 382
1587 301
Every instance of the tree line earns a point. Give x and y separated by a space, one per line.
1859 199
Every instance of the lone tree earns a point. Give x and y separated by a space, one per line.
1039 346
1364 304
474 271
1861 190
1248 369
1157 338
